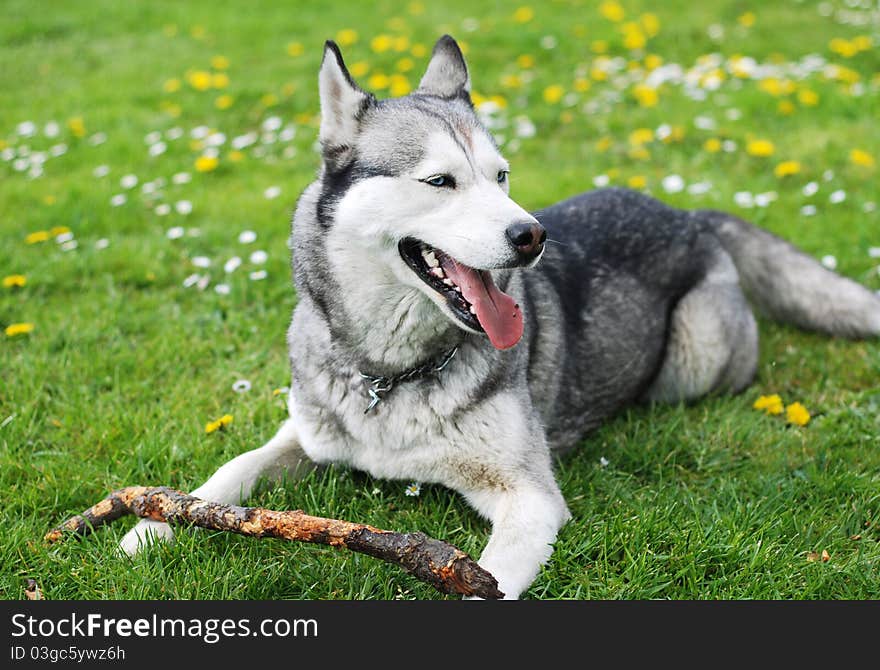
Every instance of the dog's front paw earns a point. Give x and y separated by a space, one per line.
144 533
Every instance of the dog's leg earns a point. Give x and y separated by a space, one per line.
713 340
525 521
282 455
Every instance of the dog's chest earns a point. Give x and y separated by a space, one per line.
412 433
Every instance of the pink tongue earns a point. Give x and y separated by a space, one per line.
497 312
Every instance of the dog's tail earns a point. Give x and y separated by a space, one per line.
790 286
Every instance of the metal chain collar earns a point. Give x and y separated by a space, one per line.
377 387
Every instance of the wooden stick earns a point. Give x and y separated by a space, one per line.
441 565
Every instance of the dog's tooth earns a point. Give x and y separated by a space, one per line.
430 259
448 282
437 272
473 310
458 289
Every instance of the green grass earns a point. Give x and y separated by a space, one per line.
125 366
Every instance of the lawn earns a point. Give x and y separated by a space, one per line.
147 145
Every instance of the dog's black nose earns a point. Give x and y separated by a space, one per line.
527 236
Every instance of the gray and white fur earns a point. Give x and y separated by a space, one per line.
638 301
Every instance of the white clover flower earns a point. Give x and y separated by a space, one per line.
199 132
70 245
101 171
829 262
118 200
97 138
174 133
271 124
192 280
272 192
51 129
128 181
259 257
183 207
247 237
64 237
810 188
257 275
26 128
837 197
604 462
601 180
102 243
232 264
744 199
157 149
163 209
181 178
152 137
201 261
241 385
174 233
808 210
672 183
222 289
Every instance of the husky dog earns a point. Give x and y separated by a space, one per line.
438 337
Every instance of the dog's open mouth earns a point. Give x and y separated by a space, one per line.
470 294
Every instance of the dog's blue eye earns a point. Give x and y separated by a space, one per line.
440 180
502 176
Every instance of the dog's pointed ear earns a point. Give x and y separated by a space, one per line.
447 73
342 101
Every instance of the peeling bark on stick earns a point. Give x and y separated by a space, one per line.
441 565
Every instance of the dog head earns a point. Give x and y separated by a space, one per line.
417 185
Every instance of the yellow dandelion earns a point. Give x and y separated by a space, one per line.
15 329
862 42
378 81
612 11
219 80
653 61
646 96
633 37
637 181
171 109
807 97
419 50
641 136
359 69
381 43
269 100
599 46
582 85
288 88
77 126
199 79
524 14
603 145
14 281
171 85
206 163
785 107
220 62
224 102
797 414
639 153
197 32
650 23
525 61
399 85
294 49
760 148
787 168
712 145
511 81
843 47
861 158
416 8
401 43
772 404
222 422
55 231
746 20
36 237
405 64
235 156
346 37
553 94
49 200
